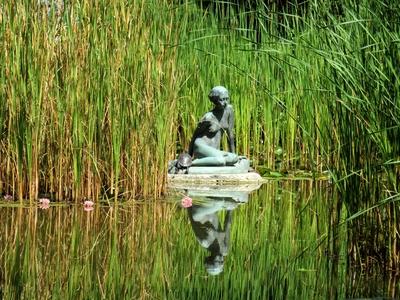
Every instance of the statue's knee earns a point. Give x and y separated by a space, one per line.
231 158
221 160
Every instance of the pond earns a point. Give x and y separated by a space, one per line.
279 241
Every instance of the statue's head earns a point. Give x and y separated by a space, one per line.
52 6
219 95
219 92
214 264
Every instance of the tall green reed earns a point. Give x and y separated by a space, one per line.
98 101
88 112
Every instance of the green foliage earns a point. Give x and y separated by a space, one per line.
98 101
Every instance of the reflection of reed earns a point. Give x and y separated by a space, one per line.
141 250
372 223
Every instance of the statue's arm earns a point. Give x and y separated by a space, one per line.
200 130
231 126
194 137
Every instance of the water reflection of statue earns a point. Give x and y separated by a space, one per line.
209 232
206 141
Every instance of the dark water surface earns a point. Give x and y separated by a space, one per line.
281 241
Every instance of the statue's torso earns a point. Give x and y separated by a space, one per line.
214 123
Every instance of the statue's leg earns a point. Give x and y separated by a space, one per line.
230 158
209 161
207 155
207 213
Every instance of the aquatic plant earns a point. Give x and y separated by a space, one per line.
98 101
186 202
88 205
44 203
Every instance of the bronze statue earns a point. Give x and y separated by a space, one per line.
205 145
205 154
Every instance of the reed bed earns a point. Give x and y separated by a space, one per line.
86 99
95 102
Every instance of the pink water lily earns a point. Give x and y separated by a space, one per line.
8 197
88 205
186 202
44 203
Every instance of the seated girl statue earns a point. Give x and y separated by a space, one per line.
205 146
